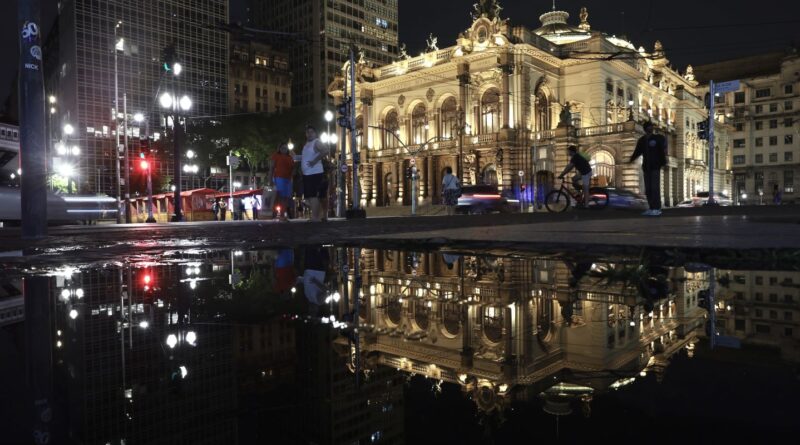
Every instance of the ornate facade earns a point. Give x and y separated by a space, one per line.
507 101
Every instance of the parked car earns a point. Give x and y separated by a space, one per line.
625 199
722 199
688 203
476 199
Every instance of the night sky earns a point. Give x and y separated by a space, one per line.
692 31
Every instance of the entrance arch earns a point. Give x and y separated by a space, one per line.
603 168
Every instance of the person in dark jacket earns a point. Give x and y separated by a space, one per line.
653 150
584 176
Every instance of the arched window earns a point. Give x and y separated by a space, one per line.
490 111
359 131
391 126
449 113
419 125
489 176
602 163
542 113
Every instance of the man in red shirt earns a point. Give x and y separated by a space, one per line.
280 171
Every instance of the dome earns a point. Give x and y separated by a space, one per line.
555 28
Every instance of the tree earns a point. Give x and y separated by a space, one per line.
254 137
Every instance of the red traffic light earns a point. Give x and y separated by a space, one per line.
144 165
147 279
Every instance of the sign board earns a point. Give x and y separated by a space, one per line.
521 173
413 161
726 87
233 161
344 168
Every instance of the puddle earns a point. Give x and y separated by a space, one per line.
323 344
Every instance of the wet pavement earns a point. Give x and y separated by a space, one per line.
332 344
695 228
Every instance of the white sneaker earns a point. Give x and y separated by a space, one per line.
647 213
656 213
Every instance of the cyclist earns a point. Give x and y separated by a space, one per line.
579 162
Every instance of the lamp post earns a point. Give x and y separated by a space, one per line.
116 123
630 110
147 164
174 104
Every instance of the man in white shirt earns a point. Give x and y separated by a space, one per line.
314 184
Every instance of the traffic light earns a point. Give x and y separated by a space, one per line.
702 130
169 60
344 113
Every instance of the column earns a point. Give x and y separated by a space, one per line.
507 66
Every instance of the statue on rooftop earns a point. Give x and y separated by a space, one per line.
487 8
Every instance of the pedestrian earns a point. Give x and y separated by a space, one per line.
223 207
256 206
314 184
451 189
215 209
579 162
777 196
240 208
280 173
248 207
653 150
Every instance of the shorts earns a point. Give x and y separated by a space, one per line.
315 186
283 187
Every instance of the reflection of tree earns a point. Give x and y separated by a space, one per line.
253 299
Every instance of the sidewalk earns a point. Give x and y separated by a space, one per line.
700 228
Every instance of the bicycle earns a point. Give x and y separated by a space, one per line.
559 200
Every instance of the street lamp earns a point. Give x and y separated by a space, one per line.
174 104
630 110
69 129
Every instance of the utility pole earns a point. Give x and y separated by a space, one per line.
127 160
711 101
33 147
176 168
116 126
357 213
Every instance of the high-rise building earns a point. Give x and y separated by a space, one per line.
765 110
260 81
83 75
324 31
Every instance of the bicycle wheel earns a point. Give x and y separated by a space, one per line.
598 199
556 201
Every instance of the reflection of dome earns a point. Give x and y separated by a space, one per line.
555 28
557 398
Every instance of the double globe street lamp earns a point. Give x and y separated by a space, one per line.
176 105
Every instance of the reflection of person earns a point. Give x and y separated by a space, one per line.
280 171
653 150
284 271
314 184
314 277
451 189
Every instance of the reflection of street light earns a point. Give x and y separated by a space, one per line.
185 103
165 100
190 154
68 129
52 99
172 340
138 117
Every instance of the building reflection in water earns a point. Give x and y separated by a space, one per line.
510 328
252 346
